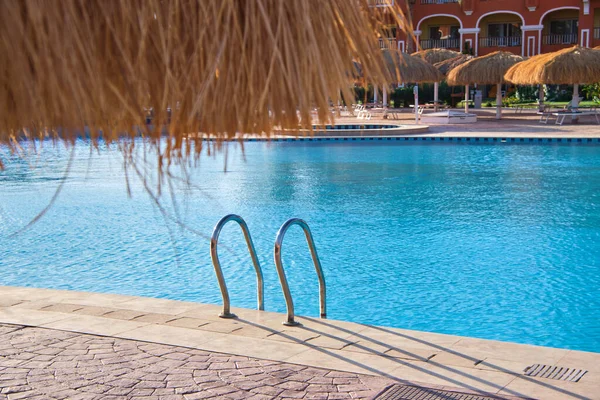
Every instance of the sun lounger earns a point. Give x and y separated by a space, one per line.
361 112
561 115
393 113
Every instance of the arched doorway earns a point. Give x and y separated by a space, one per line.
500 30
440 32
561 29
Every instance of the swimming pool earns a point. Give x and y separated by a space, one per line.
498 241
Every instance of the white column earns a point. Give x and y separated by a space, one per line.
467 99
385 96
575 101
499 101
375 94
436 96
416 93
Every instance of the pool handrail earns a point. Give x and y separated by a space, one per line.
214 240
281 272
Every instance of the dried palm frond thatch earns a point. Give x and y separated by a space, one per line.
434 56
407 69
203 67
488 69
448 65
573 65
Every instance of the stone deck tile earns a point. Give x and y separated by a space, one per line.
186 322
126 315
30 317
554 390
583 360
222 374
93 325
153 318
65 308
94 310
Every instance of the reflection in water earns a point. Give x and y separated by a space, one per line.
496 241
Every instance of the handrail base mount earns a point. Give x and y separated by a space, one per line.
291 323
227 316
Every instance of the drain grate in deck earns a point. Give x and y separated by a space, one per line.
405 392
554 372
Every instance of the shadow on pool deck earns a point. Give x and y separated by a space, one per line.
400 362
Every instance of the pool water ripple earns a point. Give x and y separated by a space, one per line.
493 241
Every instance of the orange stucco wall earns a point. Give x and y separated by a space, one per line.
533 16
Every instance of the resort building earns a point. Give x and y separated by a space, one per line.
479 27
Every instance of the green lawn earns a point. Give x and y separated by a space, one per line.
557 104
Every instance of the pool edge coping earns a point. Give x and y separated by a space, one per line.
338 346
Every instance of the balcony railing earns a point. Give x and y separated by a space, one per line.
501 41
597 32
380 3
388 43
438 1
440 44
567 38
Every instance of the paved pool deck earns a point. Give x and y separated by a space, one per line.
64 344
521 125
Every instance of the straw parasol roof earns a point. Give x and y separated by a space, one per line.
205 67
434 56
488 69
573 65
448 65
408 69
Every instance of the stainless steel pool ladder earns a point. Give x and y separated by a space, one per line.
280 271
214 240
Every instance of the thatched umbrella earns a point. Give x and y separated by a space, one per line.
434 56
448 65
220 67
488 69
408 69
404 68
571 66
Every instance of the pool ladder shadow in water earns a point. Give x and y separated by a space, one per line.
214 240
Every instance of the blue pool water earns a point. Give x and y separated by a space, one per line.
498 241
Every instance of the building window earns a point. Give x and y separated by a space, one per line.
454 33
390 31
504 30
435 33
502 35
444 32
564 27
442 36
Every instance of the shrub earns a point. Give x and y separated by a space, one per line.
510 101
527 94
359 94
591 92
467 48
559 93
403 97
